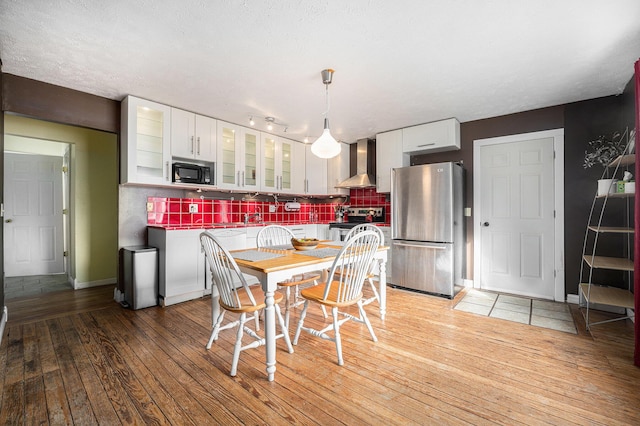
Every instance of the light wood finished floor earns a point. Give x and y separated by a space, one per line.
83 359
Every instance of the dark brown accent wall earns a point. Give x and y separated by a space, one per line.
582 122
524 122
58 104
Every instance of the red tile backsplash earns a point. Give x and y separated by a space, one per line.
175 211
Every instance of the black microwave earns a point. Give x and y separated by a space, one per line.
192 173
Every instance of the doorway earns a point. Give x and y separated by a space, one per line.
35 228
519 204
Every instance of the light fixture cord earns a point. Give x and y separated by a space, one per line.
327 103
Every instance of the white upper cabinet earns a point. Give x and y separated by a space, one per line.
438 136
337 171
283 166
193 136
146 144
389 155
316 173
298 167
238 154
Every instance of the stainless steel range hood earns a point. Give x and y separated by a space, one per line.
364 178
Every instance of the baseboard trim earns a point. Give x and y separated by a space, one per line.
631 314
78 285
3 322
573 298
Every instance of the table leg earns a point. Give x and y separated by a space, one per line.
270 334
383 288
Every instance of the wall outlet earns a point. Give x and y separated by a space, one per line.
149 207
193 208
272 208
467 211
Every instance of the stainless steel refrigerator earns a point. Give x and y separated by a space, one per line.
427 228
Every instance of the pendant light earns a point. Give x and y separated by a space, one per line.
326 146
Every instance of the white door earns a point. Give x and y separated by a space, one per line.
516 233
33 230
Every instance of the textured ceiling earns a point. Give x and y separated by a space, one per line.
398 63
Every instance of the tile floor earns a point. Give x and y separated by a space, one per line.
541 313
15 287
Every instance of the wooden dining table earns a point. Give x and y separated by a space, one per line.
272 270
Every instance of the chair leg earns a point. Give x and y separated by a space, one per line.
216 329
336 330
301 322
284 329
324 310
287 303
256 318
365 319
375 290
238 346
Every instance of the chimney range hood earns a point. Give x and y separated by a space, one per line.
365 167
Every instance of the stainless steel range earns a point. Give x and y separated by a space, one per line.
356 216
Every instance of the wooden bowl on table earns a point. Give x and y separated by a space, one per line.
304 243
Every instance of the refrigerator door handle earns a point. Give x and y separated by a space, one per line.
429 246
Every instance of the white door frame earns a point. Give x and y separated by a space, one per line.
558 170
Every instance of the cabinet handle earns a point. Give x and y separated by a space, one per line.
192 144
168 175
243 178
198 145
427 144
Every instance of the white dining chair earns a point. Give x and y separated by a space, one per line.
279 236
342 289
373 270
236 296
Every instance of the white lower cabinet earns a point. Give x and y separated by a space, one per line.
182 270
323 232
181 264
183 274
252 236
304 231
386 231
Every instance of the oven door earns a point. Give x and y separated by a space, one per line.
338 234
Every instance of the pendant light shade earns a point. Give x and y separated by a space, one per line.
326 146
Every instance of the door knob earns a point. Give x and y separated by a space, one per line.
485 224
9 220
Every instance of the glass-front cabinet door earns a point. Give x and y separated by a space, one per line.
238 157
280 165
227 173
251 159
285 173
146 153
270 179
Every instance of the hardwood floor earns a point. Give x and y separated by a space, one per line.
81 358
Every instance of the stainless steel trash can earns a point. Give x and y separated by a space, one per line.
140 270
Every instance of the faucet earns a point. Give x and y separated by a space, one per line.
255 214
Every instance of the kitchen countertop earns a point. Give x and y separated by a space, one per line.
239 225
